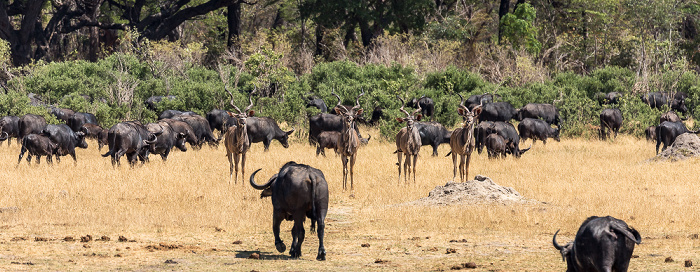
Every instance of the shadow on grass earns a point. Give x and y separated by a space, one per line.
263 255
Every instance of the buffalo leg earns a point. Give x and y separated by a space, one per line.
48 160
658 143
266 143
318 150
398 154
435 148
132 158
23 150
298 234
320 220
277 218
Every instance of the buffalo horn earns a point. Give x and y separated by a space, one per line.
84 130
557 246
155 139
255 185
4 136
291 131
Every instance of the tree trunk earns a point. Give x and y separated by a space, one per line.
319 40
234 24
502 11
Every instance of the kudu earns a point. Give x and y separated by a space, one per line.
349 141
462 139
408 142
236 138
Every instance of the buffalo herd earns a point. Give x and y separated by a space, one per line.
299 191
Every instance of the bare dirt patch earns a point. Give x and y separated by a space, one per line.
481 190
685 146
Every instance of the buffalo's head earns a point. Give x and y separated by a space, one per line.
266 188
181 140
81 137
565 250
285 139
556 134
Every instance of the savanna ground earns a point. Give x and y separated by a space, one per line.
185 215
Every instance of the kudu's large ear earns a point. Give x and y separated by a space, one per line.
338 111
399 119
460 111
230 114
418 117
360 111
476 111
251 113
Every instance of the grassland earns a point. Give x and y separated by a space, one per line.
188 211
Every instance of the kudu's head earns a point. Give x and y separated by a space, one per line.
410 118
349 116
241 116
469 116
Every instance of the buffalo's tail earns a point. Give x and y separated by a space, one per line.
111 141
628 231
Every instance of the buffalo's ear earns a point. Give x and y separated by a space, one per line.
230 114
399 119
418 117
360 111
251 113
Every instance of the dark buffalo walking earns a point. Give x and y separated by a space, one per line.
498 111
667 132
200 128
424 103
650 133
131 139
495 145
153 101
601 244
93 131
537 129
79 119
610 120
30 124
298 191
167 139
62 114
545 112
479 99
433 134
10 125
265 129
66 139
37 145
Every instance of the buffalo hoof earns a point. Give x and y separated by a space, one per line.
280 247
294 253
321 255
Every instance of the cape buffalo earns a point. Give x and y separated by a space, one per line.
546 112
327 139
96 132
498 111
297 191
610 119
650 133
479 99
608 98
37 145
66 139
601 244
325 122
510 135
667 132
218 120
152 102
426 105
670 116
184 128
318 103
173 113
131 139
265 129
537 129
659 99
30 124
62 114
433 134
10 125
201 129
168 139
481 131
79 119
495 145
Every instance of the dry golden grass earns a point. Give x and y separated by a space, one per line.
188 206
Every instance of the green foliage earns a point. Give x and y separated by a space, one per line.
519 28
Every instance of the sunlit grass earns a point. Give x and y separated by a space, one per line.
184 199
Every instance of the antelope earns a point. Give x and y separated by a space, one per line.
236 138
348 141
408 142
462 139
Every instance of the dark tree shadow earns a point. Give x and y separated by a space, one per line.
244 254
